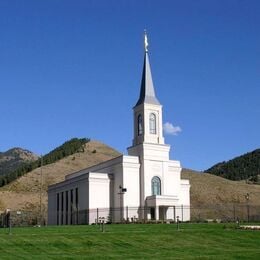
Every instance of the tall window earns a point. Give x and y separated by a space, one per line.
156 186
140 125
62 208
58 208
77 205
152 123
71 207
67 207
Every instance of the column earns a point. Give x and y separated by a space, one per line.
157 213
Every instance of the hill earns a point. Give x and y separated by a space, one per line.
207 191
244 167
210 190
24 193
70 147
214 197
14 158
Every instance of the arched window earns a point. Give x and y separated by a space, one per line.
139 125
152 123
156 186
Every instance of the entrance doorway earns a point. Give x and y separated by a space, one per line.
162 213
152 211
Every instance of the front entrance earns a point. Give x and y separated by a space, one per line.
161 212
161 207
152 211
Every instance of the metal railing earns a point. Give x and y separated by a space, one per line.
218 213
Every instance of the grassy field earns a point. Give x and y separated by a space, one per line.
136 241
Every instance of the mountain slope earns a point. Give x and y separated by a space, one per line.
69 147
24 193
214 197
14 158
243 167
207 190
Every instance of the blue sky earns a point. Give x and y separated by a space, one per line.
73 69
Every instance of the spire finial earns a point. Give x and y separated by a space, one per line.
145 41
147 94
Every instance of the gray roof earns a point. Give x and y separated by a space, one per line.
147 94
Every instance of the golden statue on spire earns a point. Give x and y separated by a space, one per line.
145 41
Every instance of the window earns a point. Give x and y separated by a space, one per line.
152 123
77 205
58 208
156 186
140 125
62 208
67 207
77 198
71 207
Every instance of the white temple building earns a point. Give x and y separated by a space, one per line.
143 185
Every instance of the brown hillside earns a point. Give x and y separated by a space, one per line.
206 190
210 190
24 193
214 197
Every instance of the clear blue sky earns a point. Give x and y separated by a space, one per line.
73 69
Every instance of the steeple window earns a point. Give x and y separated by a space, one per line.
152 123
140 125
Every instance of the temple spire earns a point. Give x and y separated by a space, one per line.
147 94
145 42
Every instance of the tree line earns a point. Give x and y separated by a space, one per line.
244 167
68 148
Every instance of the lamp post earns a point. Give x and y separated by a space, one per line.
40 213
8 220
247 205
178 223
103 223
121 193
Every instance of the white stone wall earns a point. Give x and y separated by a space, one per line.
185 198
98 191
131 181
99 196
173 178
68 208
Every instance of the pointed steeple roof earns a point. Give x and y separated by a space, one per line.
147 94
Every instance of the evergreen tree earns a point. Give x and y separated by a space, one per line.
68 148
243 167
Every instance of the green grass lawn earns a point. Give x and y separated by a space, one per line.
133 241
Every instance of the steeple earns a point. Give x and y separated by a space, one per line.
147 93
148 127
